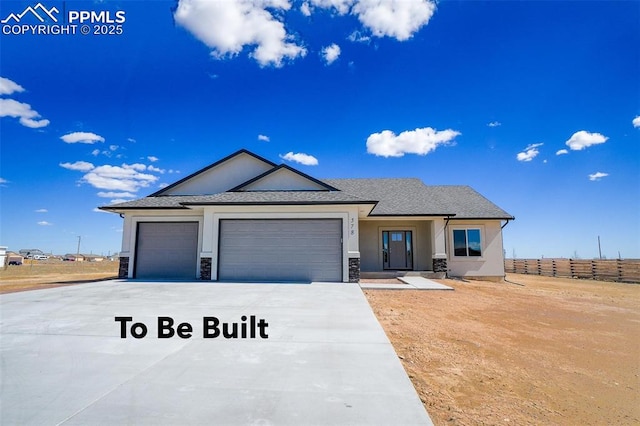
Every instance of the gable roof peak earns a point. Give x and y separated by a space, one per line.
242 151
288 168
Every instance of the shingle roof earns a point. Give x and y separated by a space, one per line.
257 197
411 197
391 197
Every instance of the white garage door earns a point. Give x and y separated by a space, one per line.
167 250
280 250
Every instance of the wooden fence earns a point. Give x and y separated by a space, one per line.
627 270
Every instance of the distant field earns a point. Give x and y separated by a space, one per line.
39 274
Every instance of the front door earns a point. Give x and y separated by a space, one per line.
397 250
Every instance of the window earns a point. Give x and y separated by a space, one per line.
397 250
466 242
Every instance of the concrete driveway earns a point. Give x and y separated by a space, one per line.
326 359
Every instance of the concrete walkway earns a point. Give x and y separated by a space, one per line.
410 283
326 359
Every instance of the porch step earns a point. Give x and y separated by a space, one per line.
396 274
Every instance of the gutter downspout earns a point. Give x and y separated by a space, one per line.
446 234
502 243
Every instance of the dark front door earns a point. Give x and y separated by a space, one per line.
397 249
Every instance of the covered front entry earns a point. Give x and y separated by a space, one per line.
280 250
166 250
397 249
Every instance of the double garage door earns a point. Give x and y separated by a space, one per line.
280 250
248 250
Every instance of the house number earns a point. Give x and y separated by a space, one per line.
353 226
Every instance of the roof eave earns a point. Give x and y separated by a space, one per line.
413 214
117 209
485 218
274 203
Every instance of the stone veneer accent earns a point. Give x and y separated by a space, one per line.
439 265
205 268
123 270
354 269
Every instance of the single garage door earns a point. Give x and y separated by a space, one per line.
280 250
167 250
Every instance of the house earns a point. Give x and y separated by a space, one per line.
93 258
14 258
31 253
245 218
73 257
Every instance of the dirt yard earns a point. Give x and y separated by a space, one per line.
546 351
53 273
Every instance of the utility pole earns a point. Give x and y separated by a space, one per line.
79 239
599 249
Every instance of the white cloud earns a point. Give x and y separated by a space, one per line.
358 37
97 210
132 140
155 169
331 53
44 223
263 138
7 86
95 152
597 176
115 178
529 153
82 137
152 158
81 166
3 181
399 19
228 26
113 147
116 194
494 124
562 152
583 139
419 141
118 200
41 211
163 185
307 160
137 166
340 6
28 117
305 9
636 121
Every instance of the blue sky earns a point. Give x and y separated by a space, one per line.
486 94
